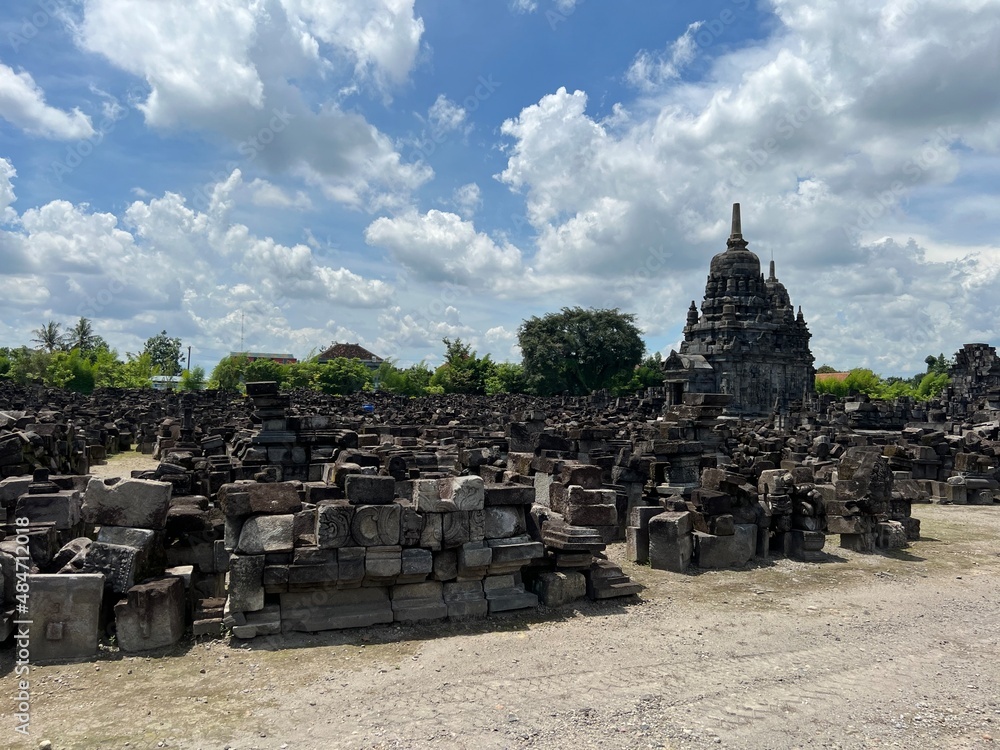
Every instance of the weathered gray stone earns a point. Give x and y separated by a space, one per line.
245 498
64 611
369 490
121 566
418 601
637 544
141 503
151 616
333 609
465 599
466 493
62 509
262 534
715 552
383 564
503 521
559 588
504 593
670 543
745 543
246 583
376 525
333 524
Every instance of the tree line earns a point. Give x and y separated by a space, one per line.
921 387
573 352
78 359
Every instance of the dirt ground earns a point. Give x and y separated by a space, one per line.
123 464
861 651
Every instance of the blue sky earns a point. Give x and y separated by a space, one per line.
393 172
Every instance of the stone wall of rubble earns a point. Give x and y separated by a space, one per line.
282 512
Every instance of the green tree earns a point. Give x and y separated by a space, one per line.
647 375
932 384
82 337
408 382
301 374
579 351
164 352
506 378
863 380
462 371
138 371
49 337
825 369
264 369
70 370
193 379
341 376
227 375
108 369
29 365
419 376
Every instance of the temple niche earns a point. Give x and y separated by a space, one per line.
748 342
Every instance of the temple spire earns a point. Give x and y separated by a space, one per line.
772 277
736 241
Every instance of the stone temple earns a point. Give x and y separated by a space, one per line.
747 342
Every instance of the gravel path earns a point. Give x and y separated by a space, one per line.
123 464
863 651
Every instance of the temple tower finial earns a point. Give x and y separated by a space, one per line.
737 227
772 277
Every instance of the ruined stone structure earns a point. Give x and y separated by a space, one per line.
748 342
975 380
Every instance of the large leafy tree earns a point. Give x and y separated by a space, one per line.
506 378
165 353
228 374
579 351
264 369
342 376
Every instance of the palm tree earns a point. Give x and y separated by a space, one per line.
48 337
82 336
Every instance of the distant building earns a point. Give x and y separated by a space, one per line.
281 359
747 341
351 351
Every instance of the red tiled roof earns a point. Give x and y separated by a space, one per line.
839 376
348 351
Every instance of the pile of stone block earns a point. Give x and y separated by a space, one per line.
373 556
